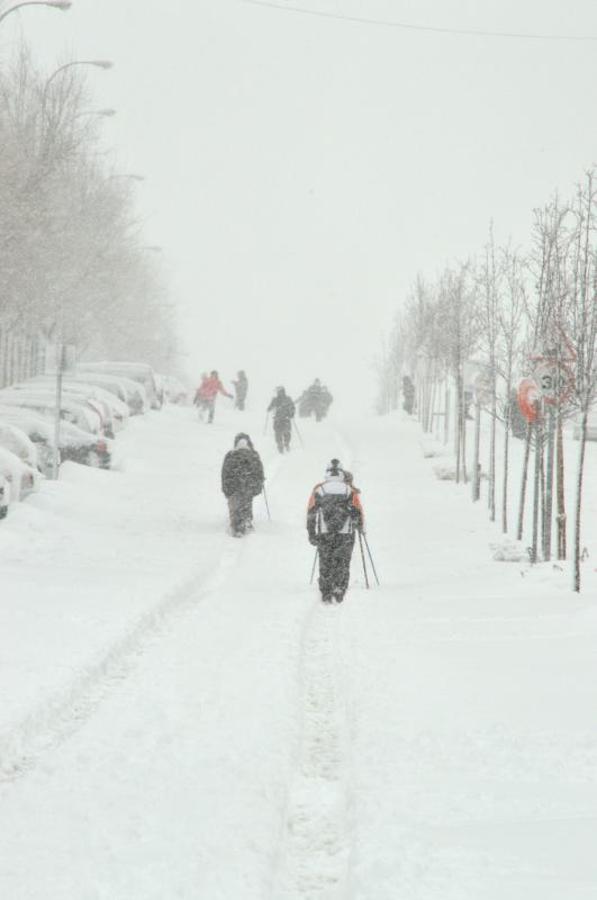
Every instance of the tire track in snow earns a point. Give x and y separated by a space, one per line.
49 726
316 841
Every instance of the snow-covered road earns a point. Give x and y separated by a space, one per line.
181 718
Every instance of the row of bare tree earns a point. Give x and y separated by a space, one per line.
73 267
514 336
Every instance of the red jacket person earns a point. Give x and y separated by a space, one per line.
205 397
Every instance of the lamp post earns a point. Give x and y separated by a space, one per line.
104 113
98 63
53 4
131 176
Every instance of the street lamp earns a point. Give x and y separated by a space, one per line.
53 4
131 176
105 113
98 63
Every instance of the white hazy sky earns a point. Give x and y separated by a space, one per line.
301 171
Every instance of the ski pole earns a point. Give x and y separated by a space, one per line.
314 564
363 559
370 558
269 515
298 434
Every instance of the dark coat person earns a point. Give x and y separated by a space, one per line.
283 409
242 479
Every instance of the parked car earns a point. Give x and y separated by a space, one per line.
112 407
132 392
80 392
174 390
140 372
73 410
75 444
21 477
14 439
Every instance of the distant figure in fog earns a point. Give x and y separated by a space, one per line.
205 397
315 400
241 386
200 400
283 409
408 394
242 479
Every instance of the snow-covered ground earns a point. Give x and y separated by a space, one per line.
181 717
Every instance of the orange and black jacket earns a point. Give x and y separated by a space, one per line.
334 508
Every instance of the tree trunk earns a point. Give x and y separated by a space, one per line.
458 426
561 519
547 525
506 464
536 490
476 482
447 416
578 500
523 486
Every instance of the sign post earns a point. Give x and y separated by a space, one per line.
64 361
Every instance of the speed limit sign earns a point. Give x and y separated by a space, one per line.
555 382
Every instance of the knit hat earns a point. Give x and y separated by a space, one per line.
334 469
242 441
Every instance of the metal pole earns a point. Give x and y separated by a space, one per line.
363 560
370 556
269 515
56 465
314 564
266 421
298 434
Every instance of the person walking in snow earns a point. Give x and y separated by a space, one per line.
242 479
207 392
334 514
200 400
241 386
283 408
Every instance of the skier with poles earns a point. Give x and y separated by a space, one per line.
242 479
334 514
283 409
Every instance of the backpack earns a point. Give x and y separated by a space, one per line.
335 510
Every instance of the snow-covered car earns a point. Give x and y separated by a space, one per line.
141 372
74 410
4 494
21 477
126 389
76 444
174 390
113 411
18 442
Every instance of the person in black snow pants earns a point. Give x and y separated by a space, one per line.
242 479
283 408
334 514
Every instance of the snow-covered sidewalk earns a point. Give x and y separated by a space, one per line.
182 718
